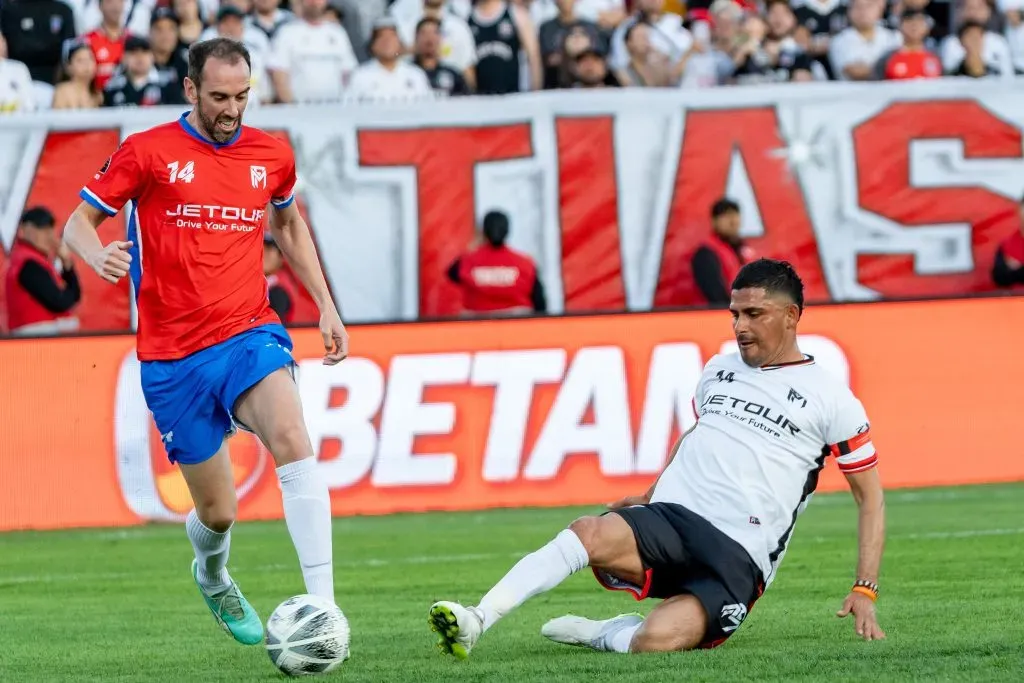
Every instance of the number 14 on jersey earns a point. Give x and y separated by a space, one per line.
184 174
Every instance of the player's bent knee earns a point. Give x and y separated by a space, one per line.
607 538
218 517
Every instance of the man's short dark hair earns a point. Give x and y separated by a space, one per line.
774 277
968 25
496 228
724 206
219 48
38 216
427 21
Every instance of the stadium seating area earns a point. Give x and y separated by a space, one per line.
91 53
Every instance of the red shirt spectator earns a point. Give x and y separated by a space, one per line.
1008 266
718 260
913 59
495 279
37 296
107 41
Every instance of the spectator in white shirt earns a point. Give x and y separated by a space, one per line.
268 17
458 47
388 77
231 24
15 84
856 50
668 36
254 38
995 49
311 59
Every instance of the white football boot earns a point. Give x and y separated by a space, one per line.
583 632
458 627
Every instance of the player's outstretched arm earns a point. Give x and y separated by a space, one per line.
292 236
646 497
867 492
110 262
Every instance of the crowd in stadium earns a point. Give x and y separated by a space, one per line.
73 54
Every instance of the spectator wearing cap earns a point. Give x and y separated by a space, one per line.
720 257
231 24
387 76
591 70
938 12
311 59
555 32
15 84
913 59
35 33
457 47
77 89
108 40
855 52
280 290
443 78
668 36
973 65
268 16
137 83
1008 266
994 49
495 279
38 297
170 57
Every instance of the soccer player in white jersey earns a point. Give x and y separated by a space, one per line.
708 536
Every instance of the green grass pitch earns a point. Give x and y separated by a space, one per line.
120 605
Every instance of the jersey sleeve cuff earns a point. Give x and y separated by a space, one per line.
283 203
93 200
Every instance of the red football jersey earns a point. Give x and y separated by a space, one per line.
108 53
908 64
197 217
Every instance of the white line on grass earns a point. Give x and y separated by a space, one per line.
374 563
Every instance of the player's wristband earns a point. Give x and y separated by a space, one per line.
868 588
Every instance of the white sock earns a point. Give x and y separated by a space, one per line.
211 550
307 512
618 636
538 572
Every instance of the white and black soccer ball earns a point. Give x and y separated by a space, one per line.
307 635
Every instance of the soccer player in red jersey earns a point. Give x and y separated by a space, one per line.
214 355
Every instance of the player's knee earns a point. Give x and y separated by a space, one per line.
593 533
290 444
219 516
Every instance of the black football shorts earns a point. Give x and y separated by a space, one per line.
683 553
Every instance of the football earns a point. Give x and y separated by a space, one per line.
307 635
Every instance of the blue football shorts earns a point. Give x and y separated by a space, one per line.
192 399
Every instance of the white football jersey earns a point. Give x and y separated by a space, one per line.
751 463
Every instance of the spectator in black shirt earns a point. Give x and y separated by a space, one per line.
442 77
36 31
35 296
136 83
170 56
552 41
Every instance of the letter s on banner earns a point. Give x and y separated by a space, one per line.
882 145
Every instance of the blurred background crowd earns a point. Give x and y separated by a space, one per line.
75 54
